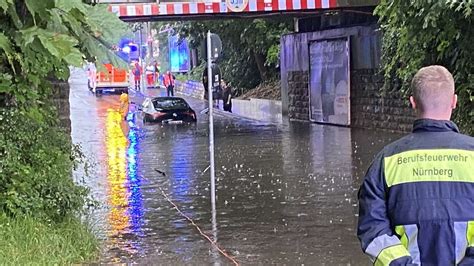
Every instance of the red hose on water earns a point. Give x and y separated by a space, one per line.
213 243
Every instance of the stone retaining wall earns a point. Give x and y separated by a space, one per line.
298 95
369 109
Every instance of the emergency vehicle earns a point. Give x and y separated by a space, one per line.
111 79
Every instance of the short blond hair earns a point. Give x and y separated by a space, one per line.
433 88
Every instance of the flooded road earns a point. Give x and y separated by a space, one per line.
286 193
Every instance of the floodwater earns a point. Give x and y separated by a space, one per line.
286 193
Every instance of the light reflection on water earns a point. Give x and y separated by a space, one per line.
124 184
136 210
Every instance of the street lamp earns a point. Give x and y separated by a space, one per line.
138 27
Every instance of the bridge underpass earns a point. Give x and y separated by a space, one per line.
296 202
349 19
315 21
132 11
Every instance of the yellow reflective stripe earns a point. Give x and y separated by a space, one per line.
470 234
400 230
440 165
390 254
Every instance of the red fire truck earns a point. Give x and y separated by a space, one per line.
111 79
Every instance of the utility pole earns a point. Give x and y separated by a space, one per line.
211 122
140 52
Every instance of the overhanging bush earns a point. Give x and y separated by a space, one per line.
35 168
39 39
426 32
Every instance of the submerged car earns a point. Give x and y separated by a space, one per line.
167 110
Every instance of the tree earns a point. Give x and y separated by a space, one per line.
39 40
163 32
251 47
425 32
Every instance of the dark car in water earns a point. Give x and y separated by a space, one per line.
167 110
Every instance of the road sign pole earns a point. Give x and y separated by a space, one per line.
211 122
141 60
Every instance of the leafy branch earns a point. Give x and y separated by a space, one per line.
425 32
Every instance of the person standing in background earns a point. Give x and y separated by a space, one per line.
215 84
226 96
150 75
124 106
169 83
157 75
137 73
91 76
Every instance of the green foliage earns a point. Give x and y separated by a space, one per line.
28 241
273 55
425 32
195 73
38 41
41 38
162 36
251 47
35 167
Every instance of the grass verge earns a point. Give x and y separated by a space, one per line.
32 241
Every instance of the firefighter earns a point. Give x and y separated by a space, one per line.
157 75
150 74
416 203
124 106
169 82
216 88
137 74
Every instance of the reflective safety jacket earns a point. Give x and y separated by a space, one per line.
416 204
124 104
168 80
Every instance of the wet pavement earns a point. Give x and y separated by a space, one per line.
286 193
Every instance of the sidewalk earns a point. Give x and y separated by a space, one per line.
258 109
255 109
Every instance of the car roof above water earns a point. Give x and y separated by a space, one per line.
169 102
167 98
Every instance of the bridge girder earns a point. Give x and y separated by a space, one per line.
153 11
